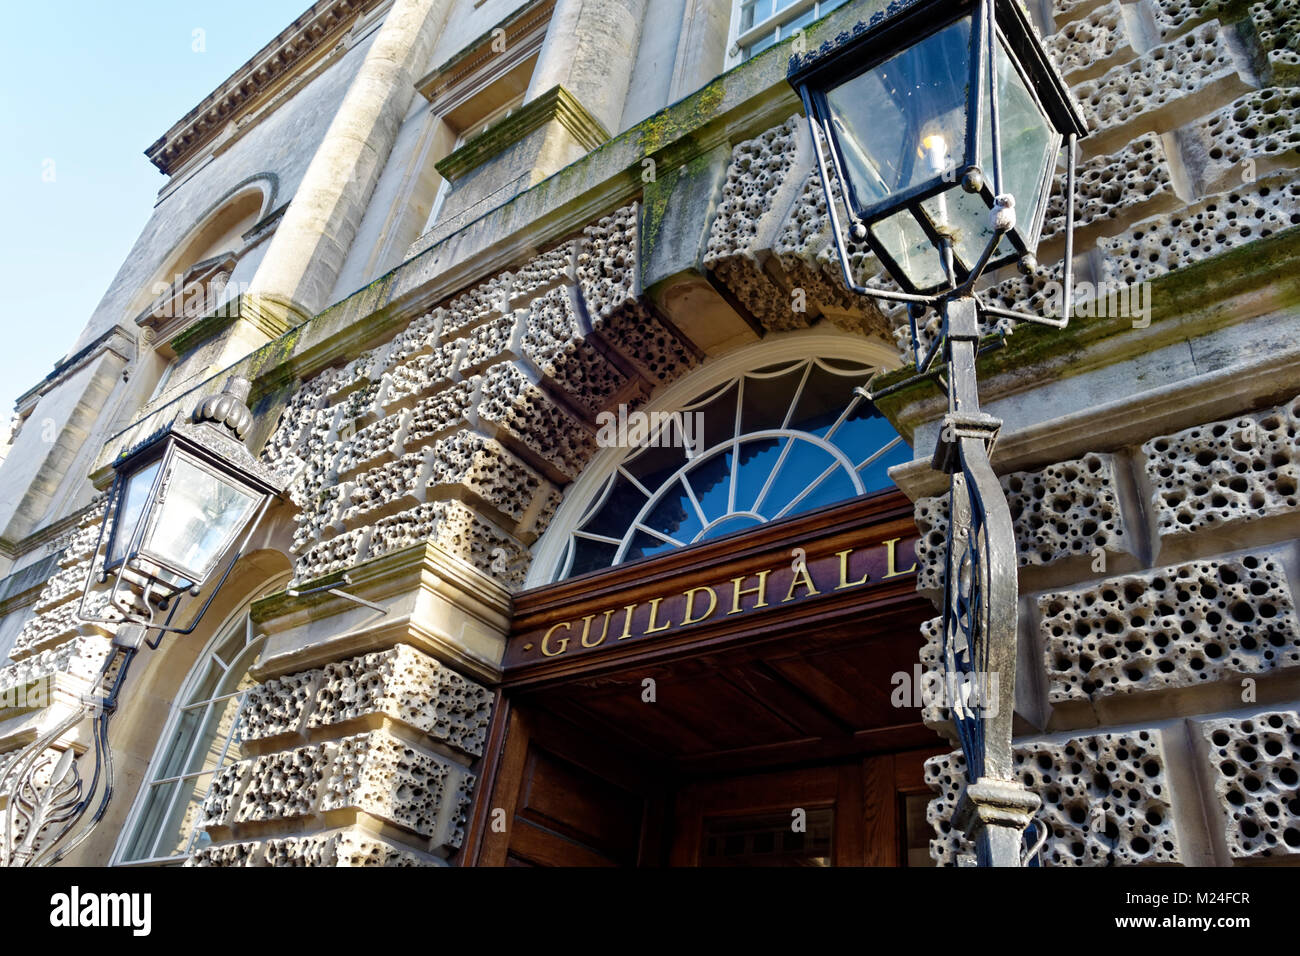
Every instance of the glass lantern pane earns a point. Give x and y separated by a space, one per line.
903 122
1027 139
910 247
134 499
200 515
965 216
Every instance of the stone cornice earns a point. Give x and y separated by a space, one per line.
117 339
556 103
320 27
461 69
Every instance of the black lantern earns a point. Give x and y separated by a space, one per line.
179 501
936 113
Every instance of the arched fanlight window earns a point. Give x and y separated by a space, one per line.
198 740
763 445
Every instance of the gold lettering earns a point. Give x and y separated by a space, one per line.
650 624
800 576
690 605
604 629
844 571
564 641
891 550
627 622
737 591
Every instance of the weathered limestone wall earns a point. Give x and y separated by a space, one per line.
362 762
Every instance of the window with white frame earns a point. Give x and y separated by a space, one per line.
762 445
200 738
759 24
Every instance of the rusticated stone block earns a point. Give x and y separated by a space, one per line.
284 785
1178 626
1253 766
389 779
608 263
408 686
1066 509
555 343
525 412
1221 473
485 468
761 183
347 848
1207 228
278 706
1254 135
1274 25
219 802
1083 45
1105 799
461 532
1109 187
543 272
1158 85
228 854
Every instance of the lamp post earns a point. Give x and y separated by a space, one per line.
179 501
943 120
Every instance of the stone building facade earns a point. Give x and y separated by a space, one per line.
449 240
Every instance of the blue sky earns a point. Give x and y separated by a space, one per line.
85 86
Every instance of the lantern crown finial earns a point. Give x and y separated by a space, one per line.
228 408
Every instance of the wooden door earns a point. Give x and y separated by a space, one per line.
559 799
863 813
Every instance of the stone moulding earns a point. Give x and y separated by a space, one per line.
316 30
556 104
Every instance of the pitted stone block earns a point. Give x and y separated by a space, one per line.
421 375
1253 764
278 706
524 411
759 185
555 343
1108 187
543 272
1158 85
608 263
347 848
1221 473
1207 228
656 351
485 468
498 339
1088 42
81 657
381 487
228 854
1250 137
334 554
479 304
1067 509
1106 800
409 686
440 415
461 532
1178 626
422 335
1274 24
284 785
387 778
219 804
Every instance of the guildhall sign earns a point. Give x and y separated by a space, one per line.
802 579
